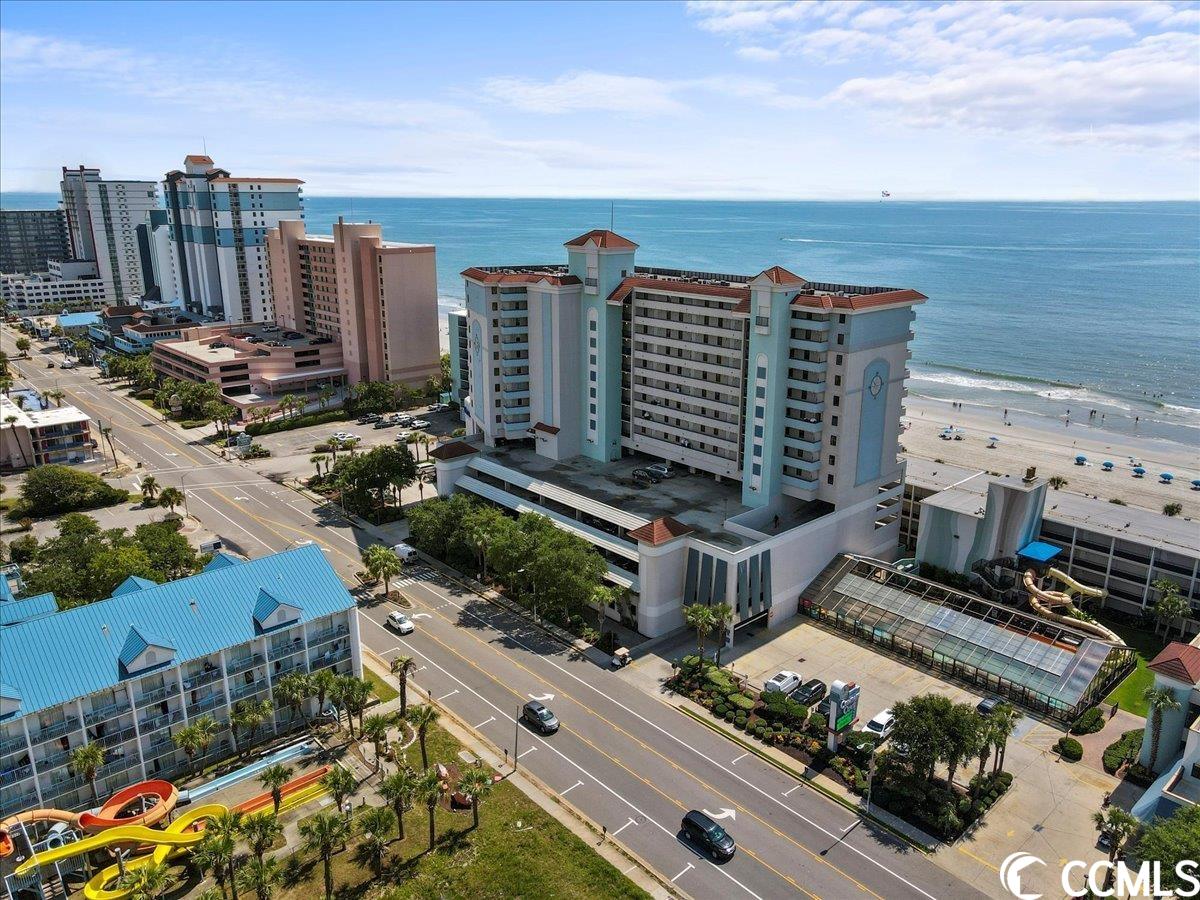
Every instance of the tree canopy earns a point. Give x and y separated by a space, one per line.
53 489
372 397
368 480
1170 840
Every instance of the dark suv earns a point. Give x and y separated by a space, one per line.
539 717
812 691
702 830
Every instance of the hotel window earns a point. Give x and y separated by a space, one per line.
837 380
841 339
837 359
833 420
591 424
832 460
829 479
592 343
833 440
837 401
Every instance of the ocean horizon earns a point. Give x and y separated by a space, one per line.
1041 307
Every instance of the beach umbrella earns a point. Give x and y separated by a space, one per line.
1138 471
1196 484
1080 460
1107 465
993 440
1167 477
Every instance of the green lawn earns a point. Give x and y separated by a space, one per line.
518 851
379 687
1128 694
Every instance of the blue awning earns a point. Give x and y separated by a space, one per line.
1039 551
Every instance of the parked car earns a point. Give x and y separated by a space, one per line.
406 552
784 682
823 708
403 436
439 407
881 726
384 423
343 436
401 622
419 423
401 418
708 834
662 470
810 692
539 717
50 365
369 419
988 705
645 476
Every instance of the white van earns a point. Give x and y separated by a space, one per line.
405 552
212 545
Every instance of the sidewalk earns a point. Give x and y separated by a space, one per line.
612 849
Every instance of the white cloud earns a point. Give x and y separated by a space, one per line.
586 91
759 54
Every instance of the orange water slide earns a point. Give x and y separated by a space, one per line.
166 795
30 817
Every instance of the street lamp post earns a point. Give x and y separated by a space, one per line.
516 737
182 479
871 778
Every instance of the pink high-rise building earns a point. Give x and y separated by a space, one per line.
377 299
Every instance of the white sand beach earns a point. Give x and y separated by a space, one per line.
1052 448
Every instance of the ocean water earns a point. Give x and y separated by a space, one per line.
1038 307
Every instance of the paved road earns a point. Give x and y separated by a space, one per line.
628 760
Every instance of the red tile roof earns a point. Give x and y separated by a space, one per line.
198 158
660 531
482 275
672 286
452 450
608 240
549 429
780 275
857 301
1178 661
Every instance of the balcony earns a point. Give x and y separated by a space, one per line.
104 713
118 765
53 760
294 646
8 745
66 726
12 776
816 346
15 803
329 658
245 690
328 635
154 723
191 682
291 665
212 700
156 696
234 666
117 737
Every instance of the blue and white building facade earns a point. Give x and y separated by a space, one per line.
212 256
786 391
129 671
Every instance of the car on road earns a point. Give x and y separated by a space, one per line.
403 436
988 705
662 470
68 364
812 691
343 436
439 407
406 552
784 682
538 716
419 423
401 622
702 830
881 725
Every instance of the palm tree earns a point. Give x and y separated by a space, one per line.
324 834
341 783
356 693
11 422
249 715
206 732
430 789
382 563
171 498
374 730
422 718
1120 826
106 433
261 876
210 855
149 881
273 778
225 829
723 618
1160 700
700 617
399 790
57 396
401 667
325 395
1057 482
149 487
316 459
476 783
375 824
293 690
1171 607
323 683
86 761
261 830
187 739
1004 719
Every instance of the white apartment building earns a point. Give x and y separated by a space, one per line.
778 399
102 220
216 239
71 286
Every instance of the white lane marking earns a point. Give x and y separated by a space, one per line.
556 751
571 788
725 813
485 722
851 825
541 698
788 792
257 540
420 616
743 756
623 827
526 752
444 696
684 872
882 867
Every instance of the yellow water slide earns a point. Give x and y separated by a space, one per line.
1044 603
1074 587
186 831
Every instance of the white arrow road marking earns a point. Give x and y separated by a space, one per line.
420 616
725 813
684 872
544 698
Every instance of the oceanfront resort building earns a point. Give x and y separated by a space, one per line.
216 235
777 401
130 671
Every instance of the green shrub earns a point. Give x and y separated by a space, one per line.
1069 749
1128 746
1089 723
719 681
817 725
741 701
288 423
740 720
51 490
728 714
721 708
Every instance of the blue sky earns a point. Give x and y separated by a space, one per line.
1086 99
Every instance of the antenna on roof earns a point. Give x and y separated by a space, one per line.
612 215
204 142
